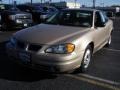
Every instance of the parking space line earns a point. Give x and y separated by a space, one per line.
94 82
100 79
115 50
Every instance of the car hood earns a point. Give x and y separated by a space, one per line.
48 34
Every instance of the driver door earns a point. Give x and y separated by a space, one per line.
100 30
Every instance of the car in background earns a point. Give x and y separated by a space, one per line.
39 13
13 18
48 11
118 14
110 14
64 43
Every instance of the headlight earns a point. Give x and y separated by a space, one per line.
12 17
61 49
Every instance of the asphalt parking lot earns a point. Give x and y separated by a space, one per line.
103 74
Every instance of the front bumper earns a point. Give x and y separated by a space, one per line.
45 62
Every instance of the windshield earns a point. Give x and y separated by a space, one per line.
72 18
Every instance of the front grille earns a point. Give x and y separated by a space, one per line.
43 67
29 47
34 47
24 16
21 45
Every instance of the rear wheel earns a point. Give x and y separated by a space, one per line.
86 59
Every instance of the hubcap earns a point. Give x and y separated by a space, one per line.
87 58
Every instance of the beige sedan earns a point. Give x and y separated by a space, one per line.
65 42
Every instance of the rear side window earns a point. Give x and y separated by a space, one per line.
105 16
97 17
102 17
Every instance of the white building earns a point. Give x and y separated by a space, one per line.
66 4
72 5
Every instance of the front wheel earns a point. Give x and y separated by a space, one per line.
86 59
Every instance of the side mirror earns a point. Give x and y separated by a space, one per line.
100 24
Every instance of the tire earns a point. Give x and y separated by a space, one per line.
86 59
109 41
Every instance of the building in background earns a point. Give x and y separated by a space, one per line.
66 4
112 9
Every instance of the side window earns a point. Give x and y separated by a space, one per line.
106 17
103 17
98 19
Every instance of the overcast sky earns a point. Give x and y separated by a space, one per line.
82 2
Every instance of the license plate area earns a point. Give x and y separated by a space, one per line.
25 57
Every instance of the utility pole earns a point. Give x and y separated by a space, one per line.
75 3
9 1
0 1
50 1
31 2
94 1
41 1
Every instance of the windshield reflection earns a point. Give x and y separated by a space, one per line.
78 18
